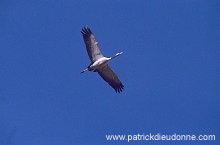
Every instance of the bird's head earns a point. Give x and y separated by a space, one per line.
119 53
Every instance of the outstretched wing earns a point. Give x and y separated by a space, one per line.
92 47
111 78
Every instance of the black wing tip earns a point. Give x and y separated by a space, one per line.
119 88
86 31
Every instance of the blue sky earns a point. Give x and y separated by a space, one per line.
170 70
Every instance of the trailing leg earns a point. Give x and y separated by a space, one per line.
84 71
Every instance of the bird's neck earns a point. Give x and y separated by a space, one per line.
114 56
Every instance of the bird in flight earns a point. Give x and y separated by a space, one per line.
99 63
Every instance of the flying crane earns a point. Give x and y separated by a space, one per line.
99 63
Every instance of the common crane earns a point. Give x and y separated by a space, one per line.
99 63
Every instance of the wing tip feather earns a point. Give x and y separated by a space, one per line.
119 88
86 31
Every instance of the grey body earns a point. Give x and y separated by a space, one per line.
99 63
